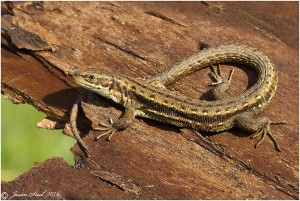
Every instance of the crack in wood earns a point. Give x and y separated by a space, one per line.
124 49
163 17
204 3
117 181
13 50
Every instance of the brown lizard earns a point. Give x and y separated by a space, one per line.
152 100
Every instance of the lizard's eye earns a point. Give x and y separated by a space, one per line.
91 78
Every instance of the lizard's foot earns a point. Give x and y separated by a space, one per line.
217 75
109 128
266 131
120 124
220 85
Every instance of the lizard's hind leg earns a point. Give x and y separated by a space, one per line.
260 127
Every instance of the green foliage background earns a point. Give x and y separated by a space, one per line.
22 143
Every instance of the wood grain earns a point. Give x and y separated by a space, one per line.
42 44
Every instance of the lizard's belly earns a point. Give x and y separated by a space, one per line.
210 124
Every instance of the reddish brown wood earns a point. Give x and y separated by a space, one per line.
42 44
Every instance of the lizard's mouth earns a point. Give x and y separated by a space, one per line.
77 80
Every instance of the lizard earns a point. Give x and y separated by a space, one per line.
151 99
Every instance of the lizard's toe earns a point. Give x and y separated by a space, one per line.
109 128
265 131
109 133
217 76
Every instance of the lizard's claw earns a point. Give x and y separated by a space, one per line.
110 130
266 131
217 75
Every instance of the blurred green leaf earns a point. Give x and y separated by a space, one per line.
22 143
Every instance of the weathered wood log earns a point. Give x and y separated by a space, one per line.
42 44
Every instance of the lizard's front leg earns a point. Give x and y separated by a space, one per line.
220 85
122 123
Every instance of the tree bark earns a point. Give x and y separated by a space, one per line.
42 44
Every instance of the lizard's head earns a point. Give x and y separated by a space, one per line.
96 80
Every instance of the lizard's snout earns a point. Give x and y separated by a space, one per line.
76 74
